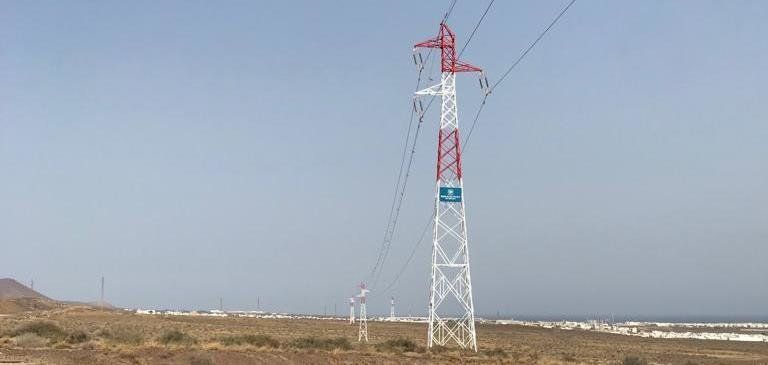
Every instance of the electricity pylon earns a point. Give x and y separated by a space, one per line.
351 310
362 333
451 308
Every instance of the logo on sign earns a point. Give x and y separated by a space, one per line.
449 194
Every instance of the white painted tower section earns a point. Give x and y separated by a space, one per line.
450 272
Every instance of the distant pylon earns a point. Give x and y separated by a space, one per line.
101 297
362 333
392 309
32 284
351 310
451 308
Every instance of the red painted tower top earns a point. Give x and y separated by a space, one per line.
446 41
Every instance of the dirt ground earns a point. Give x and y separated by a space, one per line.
85 336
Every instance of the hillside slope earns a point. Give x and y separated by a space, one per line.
12 289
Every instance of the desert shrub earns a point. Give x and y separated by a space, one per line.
496 352
45 329
341 343
89 345
201 360
253 340
78 336
634 360
437 349
123 334
176 337
30 340
398 345
568 357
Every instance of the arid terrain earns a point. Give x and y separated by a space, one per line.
85 335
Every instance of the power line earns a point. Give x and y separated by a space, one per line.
517 61
397 198
450 10
530 47
429 104
399 195
400 201
410 257
475 29
397 188
464 47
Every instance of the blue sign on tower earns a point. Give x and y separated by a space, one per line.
450 194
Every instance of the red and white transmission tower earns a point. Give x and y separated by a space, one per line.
362 333
451 309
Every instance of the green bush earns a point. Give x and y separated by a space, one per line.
341 343
176 337
45 329
253 340
634 360
398 345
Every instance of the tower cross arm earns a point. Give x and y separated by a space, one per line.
460 66
431 43
432 90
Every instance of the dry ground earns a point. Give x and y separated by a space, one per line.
85 336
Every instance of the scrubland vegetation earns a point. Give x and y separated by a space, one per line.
86 336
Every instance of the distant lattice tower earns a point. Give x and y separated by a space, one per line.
351 310
392 309
362 333
451 308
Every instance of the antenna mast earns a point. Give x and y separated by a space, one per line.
451 309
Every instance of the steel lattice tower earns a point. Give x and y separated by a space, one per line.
351 310
451 309
362 333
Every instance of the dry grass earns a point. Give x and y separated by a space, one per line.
30 340
87 337
252 340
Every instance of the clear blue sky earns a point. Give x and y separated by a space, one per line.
192 150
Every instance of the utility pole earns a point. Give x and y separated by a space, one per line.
221 304
362 333
451 285
101 300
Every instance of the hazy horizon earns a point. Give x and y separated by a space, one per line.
192 151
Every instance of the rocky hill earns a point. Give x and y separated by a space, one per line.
12 289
